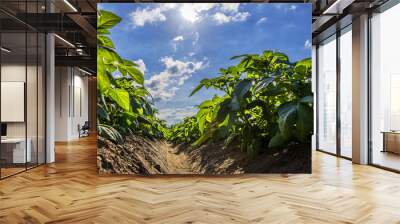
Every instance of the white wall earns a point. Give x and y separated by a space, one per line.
62 81
80 94
13 101
70 83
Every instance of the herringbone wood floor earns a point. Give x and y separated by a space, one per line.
70 191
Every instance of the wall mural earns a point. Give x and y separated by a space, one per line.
204 88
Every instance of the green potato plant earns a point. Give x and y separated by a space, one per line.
267 101
124 105
186 131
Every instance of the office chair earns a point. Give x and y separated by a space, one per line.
84 130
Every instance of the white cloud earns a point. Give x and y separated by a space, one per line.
175 115
142 16
262 20
191 54
292 8
307 44
178 38
222 18
175 42
168 6
191 12
141 65
163 86
230 7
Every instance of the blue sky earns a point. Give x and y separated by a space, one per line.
177 45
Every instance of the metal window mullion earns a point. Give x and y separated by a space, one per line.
37 91
73 92
45 95
60 76
317 97
25 90
369 100
45 88
69 92
338 94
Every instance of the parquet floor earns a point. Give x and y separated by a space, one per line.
70 191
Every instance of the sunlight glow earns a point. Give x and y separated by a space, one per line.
192 12
188 13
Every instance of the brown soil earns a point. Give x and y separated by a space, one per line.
138 155
216 159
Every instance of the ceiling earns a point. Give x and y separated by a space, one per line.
74 22
329 14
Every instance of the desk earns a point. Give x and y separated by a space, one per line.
13 150
391 141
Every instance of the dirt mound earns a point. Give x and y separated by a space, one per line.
138 155
216 159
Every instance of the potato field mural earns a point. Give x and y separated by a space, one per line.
204 88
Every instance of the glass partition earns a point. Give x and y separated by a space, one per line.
13 94
385 89
22 88
327 95
345 92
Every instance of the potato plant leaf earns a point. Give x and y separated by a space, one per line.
107 19
121 97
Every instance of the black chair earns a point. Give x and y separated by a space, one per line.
84 130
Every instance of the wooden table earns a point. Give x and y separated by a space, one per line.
391 141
